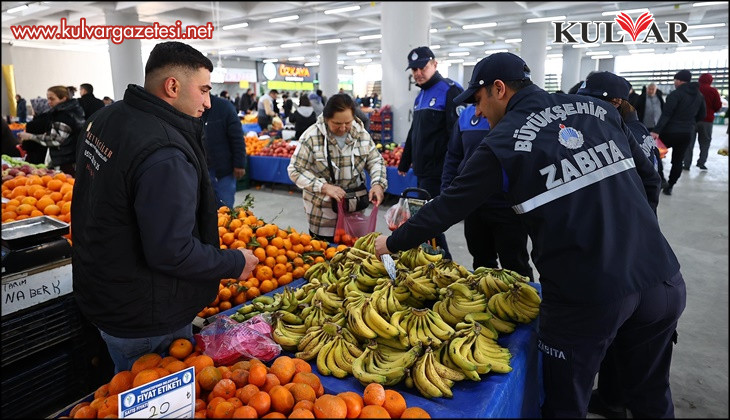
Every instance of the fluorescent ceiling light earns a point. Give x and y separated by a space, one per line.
311 64
329 41
459 54
340 62
471 44
433 30
349 67
17 9
585 45
257 48
641 51
698 47
700 38
284 18
342 10
235 26
704 3
597 52
548 48
470 63
364 60
225 52
545 19
291 45
708 25
271 60
628 12
513 40
455 61
599 57
296 58
495 51
480 25
356 53
554 56
376 36
435 47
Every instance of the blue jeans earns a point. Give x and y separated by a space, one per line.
124 351
225 188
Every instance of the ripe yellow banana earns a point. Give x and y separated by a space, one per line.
427 388
322 358
335 353
377 323
434 377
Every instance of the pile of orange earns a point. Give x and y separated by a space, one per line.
34 195
250 389
284 256
254 145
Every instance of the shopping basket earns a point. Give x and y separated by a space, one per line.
416 198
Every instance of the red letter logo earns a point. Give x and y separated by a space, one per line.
634 28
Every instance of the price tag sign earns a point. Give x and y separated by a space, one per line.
170 397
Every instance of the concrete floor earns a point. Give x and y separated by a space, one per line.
695 222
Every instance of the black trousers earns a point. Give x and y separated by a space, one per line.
641 329
493 233
433 186
679 143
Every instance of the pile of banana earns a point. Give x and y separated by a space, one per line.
364 320
422 289
387 296
331 302
313 343
475 352
416 257
432 378
384 365
449 272
521 304
491 281
265 304
316 315
367 242
338 353
420 326
287 329
458 300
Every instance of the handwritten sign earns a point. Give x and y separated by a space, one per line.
27 289
172 396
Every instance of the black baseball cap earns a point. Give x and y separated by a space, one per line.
605 85
419 57
503 66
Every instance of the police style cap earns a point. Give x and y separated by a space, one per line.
503 66
605 85
419 57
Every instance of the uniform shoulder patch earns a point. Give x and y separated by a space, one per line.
460 109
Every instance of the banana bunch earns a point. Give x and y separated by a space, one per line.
317 336
432 378
421 288
289 301
487 283
245 313
367 242
382 365
507 276
354 304
458 300
373 267
420 326
449 272
316 270
385 298
259 305
337 355
416 257
521 304
489 320
315 315
484 347
288 330
305 294
331 302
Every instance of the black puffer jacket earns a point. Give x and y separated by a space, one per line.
685 106
68 112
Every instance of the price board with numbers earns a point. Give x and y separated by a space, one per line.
170 397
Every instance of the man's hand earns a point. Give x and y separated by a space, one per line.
376 194
251 262
654 135
402 173
380 246
22 136
239 173
333 191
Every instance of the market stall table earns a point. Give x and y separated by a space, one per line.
397 183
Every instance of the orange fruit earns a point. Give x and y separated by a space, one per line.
301 365
257 375
415 413
225 388
308 378
354 403
281 399
223 410
239 377
330 406
25 209
374 412
208 377
200 404
144 376
146 361
302 392
109 407
394 403
86 412
374 394
261 402
121 382
54 185
180 348
284 369
304 405
176 366
200 362
271 381
212 404
245 412
274 415
102 391
244 394
77 407
301 413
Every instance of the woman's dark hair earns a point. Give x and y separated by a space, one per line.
338 103
625 109
61 92
365 102
175 53
304 101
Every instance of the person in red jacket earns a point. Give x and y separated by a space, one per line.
704 127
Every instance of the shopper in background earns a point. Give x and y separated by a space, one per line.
267 109
107 101
337 137
649 107
22 109
322 98
88 101
71 91
375 100
146 255
713 103
287 104
608 275
685 107
56 131
316 102
225 149
434 116
237 102
493 230
10 143
303 117
245 101
367 110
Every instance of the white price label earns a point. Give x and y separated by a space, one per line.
170 397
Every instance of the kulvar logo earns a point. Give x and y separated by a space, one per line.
592 32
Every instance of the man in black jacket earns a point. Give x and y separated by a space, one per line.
88 101
685 107
146 254
225 148
649 108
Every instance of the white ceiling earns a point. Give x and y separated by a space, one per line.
447 19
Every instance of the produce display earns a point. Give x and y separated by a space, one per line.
286 387
278 148
391 154
434 324
16 126
250 119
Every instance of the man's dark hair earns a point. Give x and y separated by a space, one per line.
304 101
71 91
224 94
338 103
87 87
365 102
175 53
274 91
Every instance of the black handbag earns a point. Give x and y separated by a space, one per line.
356 199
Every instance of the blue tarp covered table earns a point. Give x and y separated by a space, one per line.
255 127
269 169
397 183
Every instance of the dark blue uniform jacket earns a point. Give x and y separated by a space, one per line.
582 185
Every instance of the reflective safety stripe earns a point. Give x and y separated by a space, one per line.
575 185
